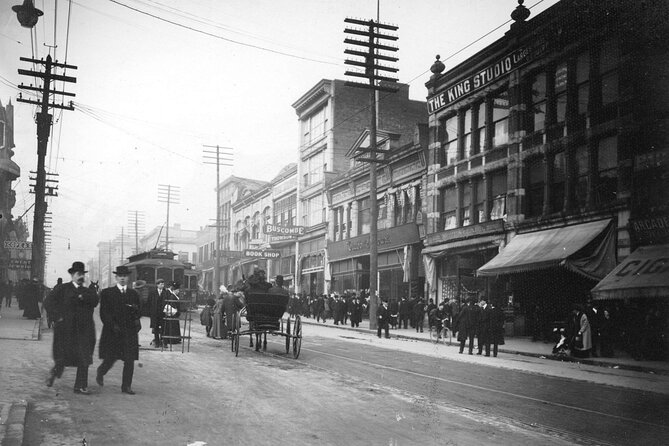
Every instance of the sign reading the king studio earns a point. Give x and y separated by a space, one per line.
479 79
291 231
262 253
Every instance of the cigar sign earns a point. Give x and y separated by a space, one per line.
294 231
478 79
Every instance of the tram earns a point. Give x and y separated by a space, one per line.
147 267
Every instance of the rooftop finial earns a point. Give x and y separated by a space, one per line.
438 66
521 13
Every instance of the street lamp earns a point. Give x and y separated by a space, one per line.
27 13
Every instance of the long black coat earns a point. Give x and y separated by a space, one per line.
156 305
467 322
71 309
120 319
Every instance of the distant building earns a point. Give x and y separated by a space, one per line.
181 241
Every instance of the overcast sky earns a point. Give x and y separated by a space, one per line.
150 93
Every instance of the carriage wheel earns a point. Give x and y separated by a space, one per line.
297 337
288 335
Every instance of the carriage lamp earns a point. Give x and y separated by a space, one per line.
27 14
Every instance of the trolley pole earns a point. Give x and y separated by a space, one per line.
371 66
209 159
168 194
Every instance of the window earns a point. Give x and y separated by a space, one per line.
538 101
314 168
382 221
558 179
284 211
536 174
465 210
315 126
478 144
583 84
449 203
314 211
581 169
498 189
561 93
607 170
608 70
255 227
479 194
500 119
2 134
364 216
449 146
467 133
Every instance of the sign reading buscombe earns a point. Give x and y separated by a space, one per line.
262 253
479 79
293 231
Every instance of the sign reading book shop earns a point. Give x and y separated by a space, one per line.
479 79
262 253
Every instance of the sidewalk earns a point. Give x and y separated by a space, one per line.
519 346
14 326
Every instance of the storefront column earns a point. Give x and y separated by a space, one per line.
333 222
461 132
348 221
458 206
487 203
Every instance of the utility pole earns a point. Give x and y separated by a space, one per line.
136 223
225 161
168 194
109 269
371 57
44 120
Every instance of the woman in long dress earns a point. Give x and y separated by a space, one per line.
217 328
172 311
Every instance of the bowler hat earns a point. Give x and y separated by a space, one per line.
77 267
122 271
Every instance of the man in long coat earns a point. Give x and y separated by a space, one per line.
467 325
119 311
231 304
157 298
70 307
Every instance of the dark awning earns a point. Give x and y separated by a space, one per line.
645 273
548 248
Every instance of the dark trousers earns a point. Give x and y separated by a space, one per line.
80 382
471 344
484 341
404 320
494 348
383 326
128 370
8 301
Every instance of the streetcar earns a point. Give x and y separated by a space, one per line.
147 267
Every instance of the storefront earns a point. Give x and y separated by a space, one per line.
398 266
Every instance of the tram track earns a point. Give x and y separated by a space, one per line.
322 360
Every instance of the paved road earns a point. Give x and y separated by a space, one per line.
341 391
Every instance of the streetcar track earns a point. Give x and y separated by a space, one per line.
473 386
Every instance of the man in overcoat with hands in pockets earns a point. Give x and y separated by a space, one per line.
119 311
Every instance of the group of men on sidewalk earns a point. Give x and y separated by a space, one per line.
70 307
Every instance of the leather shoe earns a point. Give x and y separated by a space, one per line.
83 391
100 380
128 391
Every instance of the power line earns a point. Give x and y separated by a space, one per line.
237 42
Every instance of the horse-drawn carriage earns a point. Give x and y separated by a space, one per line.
263 315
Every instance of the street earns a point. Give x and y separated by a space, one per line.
345 388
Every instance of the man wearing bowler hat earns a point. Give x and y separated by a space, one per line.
119 311
70 307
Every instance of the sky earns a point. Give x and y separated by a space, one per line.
159 79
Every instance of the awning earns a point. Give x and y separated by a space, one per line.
443 248
553 247
645 273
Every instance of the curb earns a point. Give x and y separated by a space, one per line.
12 422
633 368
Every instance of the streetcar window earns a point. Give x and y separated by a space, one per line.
165 274
179 276
146 273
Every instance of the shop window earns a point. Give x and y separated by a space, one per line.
558 182
581 169
607 170
538 102
449 203
536 175
449 146
500 119
364 216
467 132
465 210
498 189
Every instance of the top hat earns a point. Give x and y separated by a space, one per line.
77 267
122 271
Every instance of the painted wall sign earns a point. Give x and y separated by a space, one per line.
479 79
262 253
272 229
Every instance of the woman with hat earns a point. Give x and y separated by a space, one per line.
70 307
172 311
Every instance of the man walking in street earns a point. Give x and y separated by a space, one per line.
383 319
70 307
483 334
119 311
157 298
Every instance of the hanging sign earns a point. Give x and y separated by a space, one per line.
262 253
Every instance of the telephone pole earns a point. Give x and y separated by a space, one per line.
375 82
219 161
168 194
136 225
44 120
